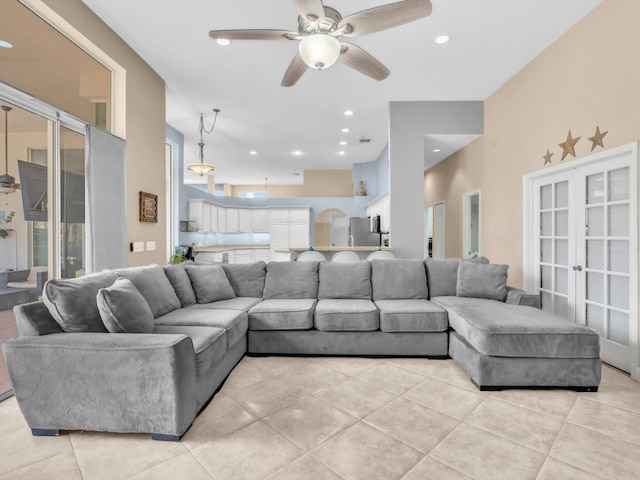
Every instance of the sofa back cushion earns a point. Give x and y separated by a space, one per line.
155 287
247 280
291 280
209 283
123 309
344 280
73 304
442 275
181 283
398 280
482 281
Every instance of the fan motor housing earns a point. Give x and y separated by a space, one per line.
325 25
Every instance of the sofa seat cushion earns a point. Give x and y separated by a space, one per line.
282 314
503 330
411 316
209 343
238 303
233 322
335 315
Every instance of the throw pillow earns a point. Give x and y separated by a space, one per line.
209 283
481 280
442 275
181 283
123 309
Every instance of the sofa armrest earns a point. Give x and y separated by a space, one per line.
516 296
104 381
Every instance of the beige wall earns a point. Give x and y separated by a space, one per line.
328 183
145 127
273 191
589 77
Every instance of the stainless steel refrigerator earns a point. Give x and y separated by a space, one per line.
360 234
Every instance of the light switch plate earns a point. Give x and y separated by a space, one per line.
151 246
138 247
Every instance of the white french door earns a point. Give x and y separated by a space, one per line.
582 257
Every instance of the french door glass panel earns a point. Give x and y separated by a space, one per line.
555 256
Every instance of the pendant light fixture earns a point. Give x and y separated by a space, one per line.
202 168
7 182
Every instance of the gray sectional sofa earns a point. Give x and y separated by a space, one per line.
144 349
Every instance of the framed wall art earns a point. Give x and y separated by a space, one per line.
148 207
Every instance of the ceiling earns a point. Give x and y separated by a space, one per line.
491 40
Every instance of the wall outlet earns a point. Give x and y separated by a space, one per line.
151 246
137 247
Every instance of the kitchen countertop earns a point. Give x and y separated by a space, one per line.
227 247
329 248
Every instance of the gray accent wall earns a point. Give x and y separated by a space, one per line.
409 122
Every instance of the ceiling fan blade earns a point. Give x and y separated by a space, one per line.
384 17
254 34
296 69
310 9
359 60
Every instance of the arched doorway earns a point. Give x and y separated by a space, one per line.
323 223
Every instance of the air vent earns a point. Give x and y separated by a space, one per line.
365 140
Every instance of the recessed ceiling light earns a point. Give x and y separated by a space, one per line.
348 113
442 39
223 42
5 44
253 152
436 150
341 152
345 130
297 153
343 142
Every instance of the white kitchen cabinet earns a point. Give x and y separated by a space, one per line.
195 212
261 220
206 217
262 255
279 215
232 220
213 219
245 223
222 220
289 229
299 235
245 256
299 215
204 258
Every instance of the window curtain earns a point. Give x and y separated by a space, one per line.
105 182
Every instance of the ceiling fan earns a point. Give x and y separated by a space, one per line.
7 182
319 28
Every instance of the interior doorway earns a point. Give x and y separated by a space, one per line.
327 227
438 231
471 223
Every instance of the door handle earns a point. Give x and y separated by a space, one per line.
577 268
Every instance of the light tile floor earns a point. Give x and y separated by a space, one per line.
356 418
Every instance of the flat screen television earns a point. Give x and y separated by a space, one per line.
33 185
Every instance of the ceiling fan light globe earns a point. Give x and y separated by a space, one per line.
319 50
201 168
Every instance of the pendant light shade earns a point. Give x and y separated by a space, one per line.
202 168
